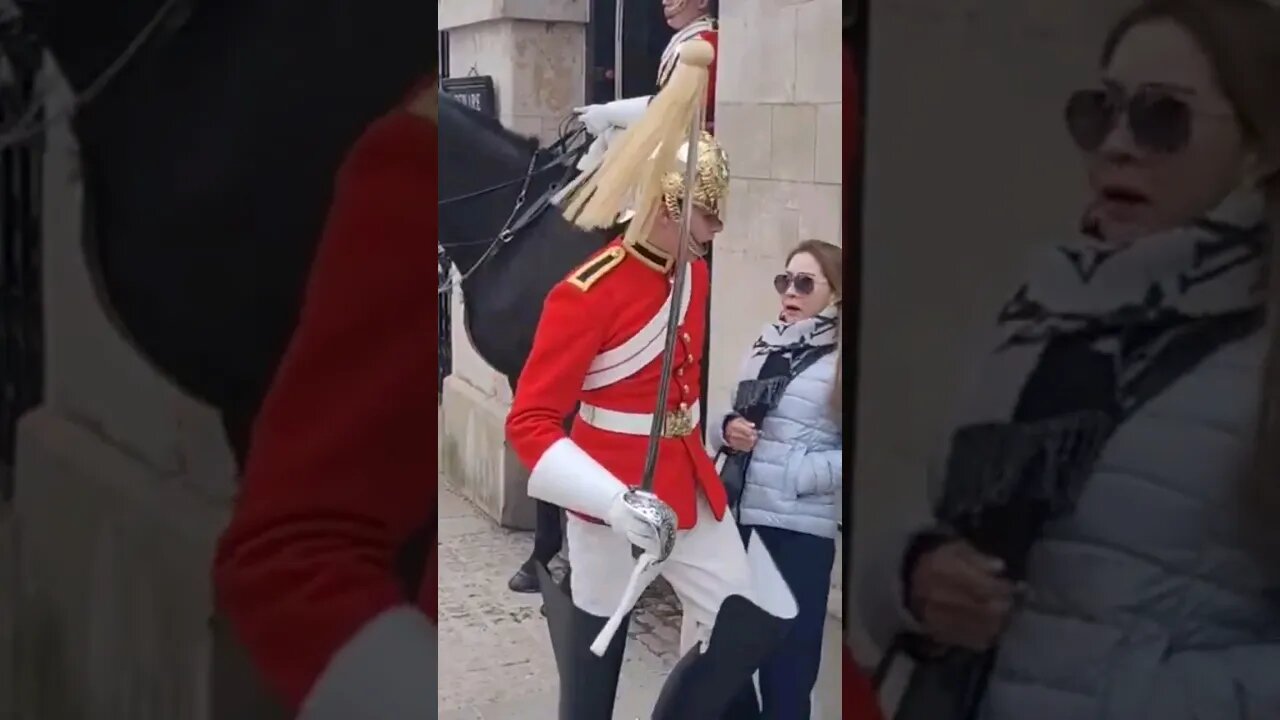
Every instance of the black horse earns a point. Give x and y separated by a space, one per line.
208 163
499 231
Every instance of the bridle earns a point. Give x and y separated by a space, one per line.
562 154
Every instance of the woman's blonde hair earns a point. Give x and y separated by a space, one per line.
830 260
1242 40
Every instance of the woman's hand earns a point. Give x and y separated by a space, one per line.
740 434
960 596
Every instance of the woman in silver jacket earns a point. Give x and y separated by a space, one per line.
783 441
1104 543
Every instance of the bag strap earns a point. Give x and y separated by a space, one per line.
1187 348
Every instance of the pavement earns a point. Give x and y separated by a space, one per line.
495 656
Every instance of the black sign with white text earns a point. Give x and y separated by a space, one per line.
474 91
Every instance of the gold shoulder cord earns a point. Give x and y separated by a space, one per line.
596 268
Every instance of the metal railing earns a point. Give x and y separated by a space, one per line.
444 323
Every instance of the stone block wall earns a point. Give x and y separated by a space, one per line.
778 115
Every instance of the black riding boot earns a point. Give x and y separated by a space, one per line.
548 538
525 580
588 684
712 684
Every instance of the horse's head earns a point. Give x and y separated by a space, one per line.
482 168
481 137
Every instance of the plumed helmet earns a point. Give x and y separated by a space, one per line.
711 187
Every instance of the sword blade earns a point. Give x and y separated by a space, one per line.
678 280
619 14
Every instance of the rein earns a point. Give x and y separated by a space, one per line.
560 153
516 220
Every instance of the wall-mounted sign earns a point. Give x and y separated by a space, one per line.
474 91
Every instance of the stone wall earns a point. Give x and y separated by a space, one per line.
778 114
535 50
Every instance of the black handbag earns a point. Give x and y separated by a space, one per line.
732 467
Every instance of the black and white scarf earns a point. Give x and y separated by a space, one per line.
782 351
1098 329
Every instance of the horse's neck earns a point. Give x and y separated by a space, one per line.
504 296
469 226
540 255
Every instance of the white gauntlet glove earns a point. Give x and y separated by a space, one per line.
619 113
594 117
566 476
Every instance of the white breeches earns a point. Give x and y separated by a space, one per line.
707 565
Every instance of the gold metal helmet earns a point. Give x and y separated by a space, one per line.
710 190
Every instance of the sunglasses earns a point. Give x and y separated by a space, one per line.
804 284
1158 121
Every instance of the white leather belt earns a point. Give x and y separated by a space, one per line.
678 423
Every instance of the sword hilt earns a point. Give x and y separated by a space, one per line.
658 516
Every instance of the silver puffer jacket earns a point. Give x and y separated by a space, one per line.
794 480
1144 604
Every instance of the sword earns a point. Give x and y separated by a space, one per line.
678 280
619 14
642 499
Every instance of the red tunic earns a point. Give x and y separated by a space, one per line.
341 470
577 325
